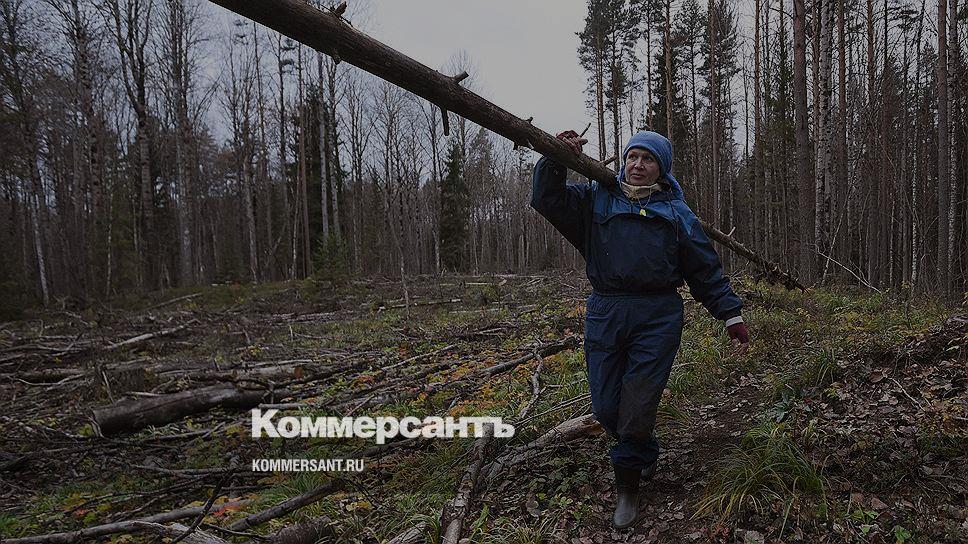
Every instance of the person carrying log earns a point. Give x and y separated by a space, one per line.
640 241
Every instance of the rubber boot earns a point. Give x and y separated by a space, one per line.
648 473
627 496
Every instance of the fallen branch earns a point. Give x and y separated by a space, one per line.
535 389
286 507
129 526
544 351
173 301
175 529
142 338
47 376
453 514
420 303
205 509
418 357
473 377
579 427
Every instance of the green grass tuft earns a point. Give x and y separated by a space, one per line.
766 468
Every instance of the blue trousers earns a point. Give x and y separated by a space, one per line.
630 343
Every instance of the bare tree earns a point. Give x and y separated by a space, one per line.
805 184
130 21
238 101
944 143
823 186
21 64
180 36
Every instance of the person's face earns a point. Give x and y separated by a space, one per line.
641 167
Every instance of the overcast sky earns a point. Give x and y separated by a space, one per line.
524 51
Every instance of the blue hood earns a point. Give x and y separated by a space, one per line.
661 147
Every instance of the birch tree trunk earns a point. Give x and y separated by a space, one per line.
825 157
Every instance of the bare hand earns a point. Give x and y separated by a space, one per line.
573 139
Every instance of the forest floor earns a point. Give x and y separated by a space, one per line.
847 421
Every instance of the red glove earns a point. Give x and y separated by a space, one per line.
740 336
573 139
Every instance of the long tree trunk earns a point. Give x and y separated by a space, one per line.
177 27
825 147
600 99
286 232
649 113
841 190
324 166
804 181
337 178
265 182
307 268
129 25
38 226
759 204
954 113
667 47
249 209
615 65
944 144
713 209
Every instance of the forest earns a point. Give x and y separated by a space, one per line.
828 137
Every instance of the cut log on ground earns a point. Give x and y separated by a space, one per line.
327 32
134 414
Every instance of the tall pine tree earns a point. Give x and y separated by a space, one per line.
454 209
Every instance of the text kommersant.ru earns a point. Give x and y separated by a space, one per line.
382 428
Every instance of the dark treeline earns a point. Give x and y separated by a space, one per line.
158 143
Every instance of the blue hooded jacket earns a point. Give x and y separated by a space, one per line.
635 248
